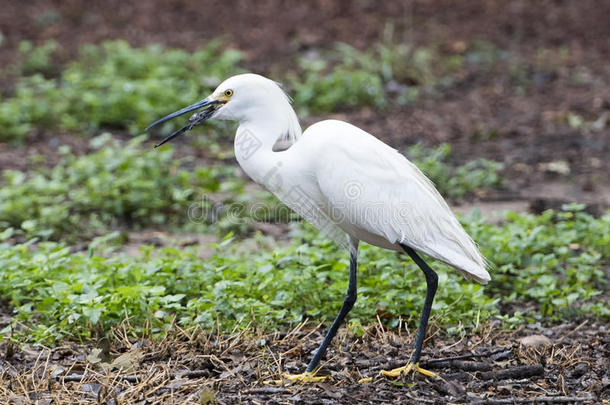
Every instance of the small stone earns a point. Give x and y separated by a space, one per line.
454 388
535 341
580 370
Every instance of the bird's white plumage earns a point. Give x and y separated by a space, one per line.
344 180
386 200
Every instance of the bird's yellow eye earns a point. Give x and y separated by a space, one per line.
228 93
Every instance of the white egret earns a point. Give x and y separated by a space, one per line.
345 182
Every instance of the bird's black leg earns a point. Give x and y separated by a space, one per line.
431 285
348 303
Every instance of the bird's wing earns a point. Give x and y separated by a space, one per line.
375 188
305 199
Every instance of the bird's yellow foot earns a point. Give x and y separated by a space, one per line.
306 377
410 367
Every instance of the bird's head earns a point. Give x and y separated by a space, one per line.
241 98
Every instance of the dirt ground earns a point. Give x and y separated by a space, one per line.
566 363
547 162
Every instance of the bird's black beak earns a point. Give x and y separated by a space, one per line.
210 106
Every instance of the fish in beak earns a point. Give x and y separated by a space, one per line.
208 105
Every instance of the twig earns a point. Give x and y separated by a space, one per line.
462 365
503 355
464 356
266 390
419 399
561 339
535 400
81 377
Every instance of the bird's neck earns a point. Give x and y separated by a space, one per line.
260 144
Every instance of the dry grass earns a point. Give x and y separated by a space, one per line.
195 367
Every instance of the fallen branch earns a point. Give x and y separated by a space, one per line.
196 373
432 363
513 373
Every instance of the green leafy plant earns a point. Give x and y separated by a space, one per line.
112 86
554 260
116 184
119 87
322 89
38 59
388 72
455 182
125 185
551 263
